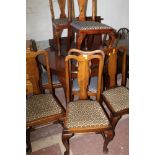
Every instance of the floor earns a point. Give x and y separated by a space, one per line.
46 140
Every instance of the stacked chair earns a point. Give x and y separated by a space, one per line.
83 27
59 24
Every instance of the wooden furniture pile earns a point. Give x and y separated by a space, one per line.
87 114
86 28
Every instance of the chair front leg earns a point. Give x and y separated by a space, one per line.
28 142
58 40
79 39
70 38
65 139
114 120
108 135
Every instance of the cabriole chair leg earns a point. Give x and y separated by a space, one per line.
28 142
114 120
65 140
109 135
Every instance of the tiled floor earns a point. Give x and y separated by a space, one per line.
46 140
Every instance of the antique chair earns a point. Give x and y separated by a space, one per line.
85 115
82 28
123 40
123 33
93 79
59 24
116 98
32 46
40 108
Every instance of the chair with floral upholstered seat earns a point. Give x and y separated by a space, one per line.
41 108
85 115
116 98
59 23
83 28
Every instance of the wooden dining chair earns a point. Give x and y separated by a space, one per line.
85 115
32 46
60 23
41 108
116 98
82 27
123 33
123 40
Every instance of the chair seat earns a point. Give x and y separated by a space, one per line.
118 98
92 86
39 106
62 21
89 25
85 114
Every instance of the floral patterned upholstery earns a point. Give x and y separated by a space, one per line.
118 98
85 114
42 105
89 25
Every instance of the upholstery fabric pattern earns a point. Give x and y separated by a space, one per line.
92 86
85 113
42 105
63 21
89 25
118 98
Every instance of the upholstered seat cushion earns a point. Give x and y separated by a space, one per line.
92 86
89 25
85 114
118 98
62 21
42 105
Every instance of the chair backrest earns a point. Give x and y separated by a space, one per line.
82 4
31 45
112 65
83 72
33 71
61 4
123 33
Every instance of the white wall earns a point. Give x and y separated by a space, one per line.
38 19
